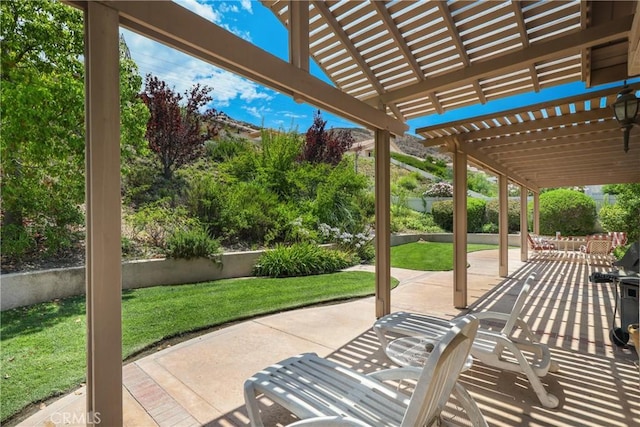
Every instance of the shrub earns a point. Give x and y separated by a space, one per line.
490 227
337 200
300 259
475 214
434 166
613 218
152 224
478 182
442 212
277 159
513 214
568 211
439 189
413 221
16 242
628 198
224 150
191 243
358 244
409 182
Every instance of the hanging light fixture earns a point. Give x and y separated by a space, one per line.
626 109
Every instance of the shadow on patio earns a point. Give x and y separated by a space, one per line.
199 382
598 384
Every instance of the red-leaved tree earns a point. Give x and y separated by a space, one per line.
325 147
176 133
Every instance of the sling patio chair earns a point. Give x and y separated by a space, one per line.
324 393
540 245
513 348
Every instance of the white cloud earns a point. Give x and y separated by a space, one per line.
246 5
256 112
182 71
226 7
294 115
204 10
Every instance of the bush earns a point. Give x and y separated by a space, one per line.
568 211
439 189
409 182
191 243
490 227
442 212
628 199
16 242
411 220
435 166
613 218
226 149
478 182
359 244
475 214
513 214
300 259
152 224
338 199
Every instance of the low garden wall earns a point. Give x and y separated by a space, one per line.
21 289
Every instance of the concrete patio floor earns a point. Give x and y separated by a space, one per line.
199 382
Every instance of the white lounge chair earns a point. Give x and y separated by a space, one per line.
322 392
496 348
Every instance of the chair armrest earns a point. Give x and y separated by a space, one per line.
484 315
330 422
397 374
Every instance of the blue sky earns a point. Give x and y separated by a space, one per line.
245 100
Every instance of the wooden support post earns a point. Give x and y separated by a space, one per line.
524 224
383 222
104 277
536 213
503 225
459 229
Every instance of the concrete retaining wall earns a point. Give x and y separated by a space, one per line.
21 289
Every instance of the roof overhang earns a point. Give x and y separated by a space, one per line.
573 141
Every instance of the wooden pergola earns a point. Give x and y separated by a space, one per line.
389 61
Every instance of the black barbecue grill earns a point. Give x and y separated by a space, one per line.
626 277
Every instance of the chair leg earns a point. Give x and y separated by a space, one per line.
548 400
470 406
252 405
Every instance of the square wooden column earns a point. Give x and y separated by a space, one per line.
103 265
524 224
383 222
536 213
459 229
503 225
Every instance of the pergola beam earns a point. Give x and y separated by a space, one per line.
179 28
483 160
544 51
552 137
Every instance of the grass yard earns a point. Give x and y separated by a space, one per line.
429 256
43 346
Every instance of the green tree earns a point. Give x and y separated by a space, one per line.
628 206
42 141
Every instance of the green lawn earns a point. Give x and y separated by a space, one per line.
428 256
43 346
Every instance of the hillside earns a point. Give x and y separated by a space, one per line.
409 144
